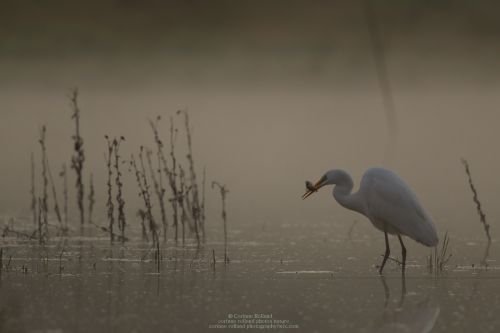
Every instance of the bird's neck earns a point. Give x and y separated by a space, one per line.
342 192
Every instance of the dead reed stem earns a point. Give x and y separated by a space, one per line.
64 175
223 192
158 257
122 223
142 215
32 191
180 197
45 182
158 181
172 178
195 200
54 195
202 206
79 156
475 198
144 193
91 198
40 221
170 173
109 203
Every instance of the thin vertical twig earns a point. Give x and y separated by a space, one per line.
482 215
109 203
202 206
91 198
172 178
142 215
54 194
223 192
475 198
64 175
32 190
181 198
158 181
79 156
45 183
143 185
119 188
158 257
41 239
195 199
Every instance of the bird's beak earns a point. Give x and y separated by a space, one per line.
319 184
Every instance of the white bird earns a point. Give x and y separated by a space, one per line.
387 201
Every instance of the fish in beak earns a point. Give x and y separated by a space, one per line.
313 188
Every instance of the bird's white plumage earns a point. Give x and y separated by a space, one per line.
390 203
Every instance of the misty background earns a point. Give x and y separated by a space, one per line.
278 92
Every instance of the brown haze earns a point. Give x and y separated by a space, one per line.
279 92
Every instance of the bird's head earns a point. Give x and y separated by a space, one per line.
329 178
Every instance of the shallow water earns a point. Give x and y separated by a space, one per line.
296 277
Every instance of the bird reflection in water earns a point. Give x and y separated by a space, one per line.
420 317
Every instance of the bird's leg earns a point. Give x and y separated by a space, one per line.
387 291
403 252
403 290
387 253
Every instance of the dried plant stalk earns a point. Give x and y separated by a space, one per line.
122 223
202 206
180 197
160 192
79 156
54 195
41 239
143 185
158 181
475 198
44 211
32 190
64 175
91 198
109 203
142 215
172 178
223 192
195 200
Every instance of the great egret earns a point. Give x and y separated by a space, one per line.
387 201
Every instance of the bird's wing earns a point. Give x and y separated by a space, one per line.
390 200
